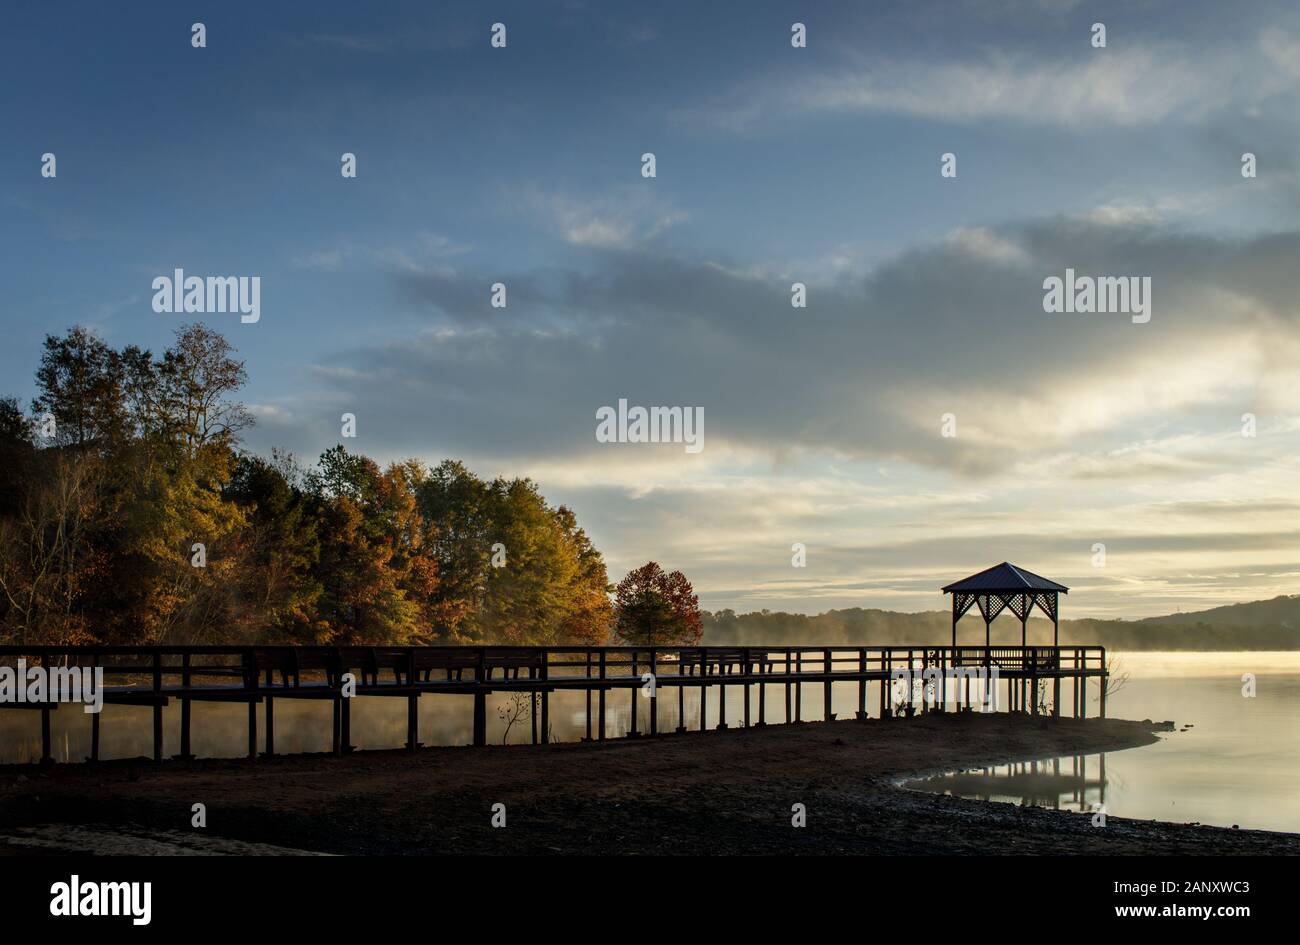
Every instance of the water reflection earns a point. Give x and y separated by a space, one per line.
1075 783
220 729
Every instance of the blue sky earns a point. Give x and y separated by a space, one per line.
775 164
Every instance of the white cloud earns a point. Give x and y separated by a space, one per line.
614 221
1103 87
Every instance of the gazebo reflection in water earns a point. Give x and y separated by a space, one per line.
1073 783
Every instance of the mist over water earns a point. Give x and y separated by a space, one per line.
1234 765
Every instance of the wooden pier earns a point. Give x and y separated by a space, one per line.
905 680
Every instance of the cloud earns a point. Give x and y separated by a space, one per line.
866 371
619 220
1127 85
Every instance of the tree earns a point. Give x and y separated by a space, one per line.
44 562
196 380
280 550
81 384
655 608
551 586
101 525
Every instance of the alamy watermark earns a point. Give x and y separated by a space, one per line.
77 898
38 684
924 686
651 425
181 293
1130 295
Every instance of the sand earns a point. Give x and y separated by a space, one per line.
719 792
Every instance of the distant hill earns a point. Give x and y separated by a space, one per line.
1258 625
1279 611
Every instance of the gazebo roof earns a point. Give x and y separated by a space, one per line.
1005 578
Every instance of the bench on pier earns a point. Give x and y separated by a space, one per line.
1014 658
721 660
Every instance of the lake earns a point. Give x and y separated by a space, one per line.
1236 764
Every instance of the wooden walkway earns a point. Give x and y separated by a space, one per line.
259 675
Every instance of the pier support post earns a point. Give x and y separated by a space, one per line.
944 663
827 665
587 675
252 729
704 702
884 687
704 688
532 707
185 754
762 691
636 664
186 707
336 740
744 671
157 707
270 726
911 683
798 687
480 718
654 693
546 714
347 725
157 733
722 697
787 686
94 736
480 698
47 757
862 684
412 722
681 700
601 734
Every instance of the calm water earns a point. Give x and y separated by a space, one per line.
1237 764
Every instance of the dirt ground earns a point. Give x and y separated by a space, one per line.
718 793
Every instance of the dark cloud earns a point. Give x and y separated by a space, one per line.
863 371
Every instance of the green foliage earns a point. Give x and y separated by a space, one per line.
99 524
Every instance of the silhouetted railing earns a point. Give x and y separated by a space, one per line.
153 675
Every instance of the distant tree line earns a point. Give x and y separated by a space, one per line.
1277 627
129 513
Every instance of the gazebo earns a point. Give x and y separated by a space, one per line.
1006 587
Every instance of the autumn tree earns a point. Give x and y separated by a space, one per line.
279 550
142 520
657 608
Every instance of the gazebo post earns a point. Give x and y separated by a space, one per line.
1007 586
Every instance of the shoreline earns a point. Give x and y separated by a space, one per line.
717 792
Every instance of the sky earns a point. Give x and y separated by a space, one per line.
823 425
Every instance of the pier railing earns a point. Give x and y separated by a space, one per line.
154 675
